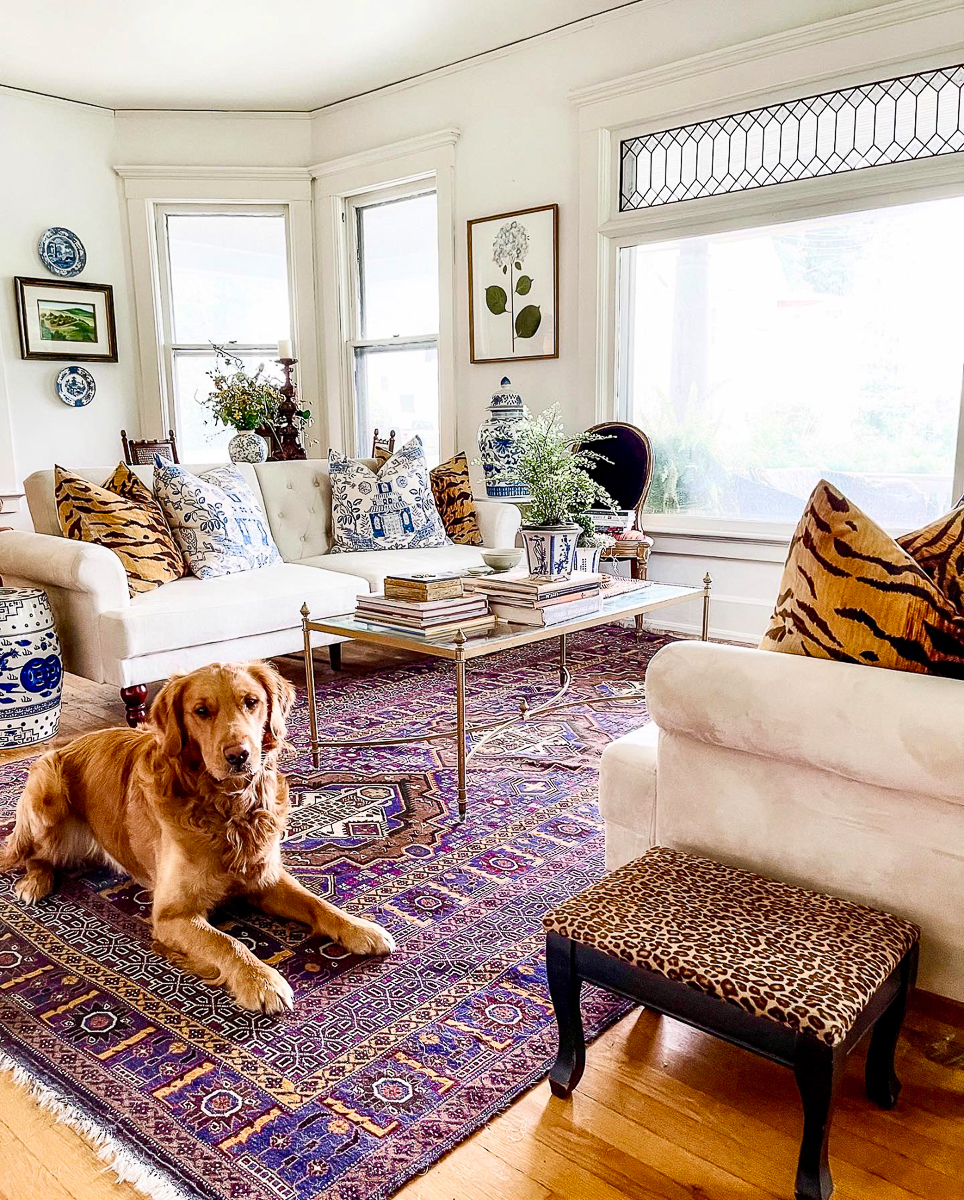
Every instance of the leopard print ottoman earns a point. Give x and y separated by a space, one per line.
793 974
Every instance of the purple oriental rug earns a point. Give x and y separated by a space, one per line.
384 1065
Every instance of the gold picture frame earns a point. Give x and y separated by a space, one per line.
61 320
514 285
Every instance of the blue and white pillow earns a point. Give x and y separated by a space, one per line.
215 518
391 510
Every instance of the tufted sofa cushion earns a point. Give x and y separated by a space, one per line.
297 499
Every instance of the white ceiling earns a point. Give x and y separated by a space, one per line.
255 54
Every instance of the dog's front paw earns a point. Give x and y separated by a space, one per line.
263 990
365 937
37 883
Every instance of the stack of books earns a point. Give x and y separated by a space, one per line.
516 596
430 606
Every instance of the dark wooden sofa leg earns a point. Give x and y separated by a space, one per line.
135 702
816 1069
564 988
883 1086
334 656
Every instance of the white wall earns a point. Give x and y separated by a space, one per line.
57 170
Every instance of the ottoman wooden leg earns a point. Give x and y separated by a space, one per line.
334 656
883 1086
564 988
815 1068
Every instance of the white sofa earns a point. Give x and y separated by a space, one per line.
838 777
110 637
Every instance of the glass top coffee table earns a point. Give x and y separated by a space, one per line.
462 648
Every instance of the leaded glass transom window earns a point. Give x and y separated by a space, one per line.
896 120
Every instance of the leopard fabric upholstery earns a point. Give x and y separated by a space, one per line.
849 592
809 961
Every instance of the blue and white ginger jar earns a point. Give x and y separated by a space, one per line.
248 447
497 446
31 668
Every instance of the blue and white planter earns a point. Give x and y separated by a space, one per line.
587 559
551 552
31 668
248 447
497 448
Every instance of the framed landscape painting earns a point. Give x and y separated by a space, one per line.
60 319
514 285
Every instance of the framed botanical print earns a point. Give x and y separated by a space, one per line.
64 320
514 285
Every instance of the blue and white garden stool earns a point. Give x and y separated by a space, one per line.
31 668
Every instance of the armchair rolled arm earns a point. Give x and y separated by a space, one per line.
893 729
45 561
498 523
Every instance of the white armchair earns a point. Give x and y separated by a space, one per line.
844 778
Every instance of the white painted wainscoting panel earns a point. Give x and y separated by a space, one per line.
746 576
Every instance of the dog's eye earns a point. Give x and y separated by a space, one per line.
202 711
250 702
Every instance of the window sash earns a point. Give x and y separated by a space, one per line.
351 215
169 348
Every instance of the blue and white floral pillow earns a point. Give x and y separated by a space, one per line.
215 518
391 510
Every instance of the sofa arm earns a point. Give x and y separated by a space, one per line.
59 562
893 729
498 522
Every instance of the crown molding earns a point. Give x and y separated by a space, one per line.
213 114
805 36
422 144
136 171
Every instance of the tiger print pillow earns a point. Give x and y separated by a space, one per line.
452 490
123 516
939 549
850 593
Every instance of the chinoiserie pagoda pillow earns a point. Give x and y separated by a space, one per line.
452 489
123 516
391 509
849 592
216 519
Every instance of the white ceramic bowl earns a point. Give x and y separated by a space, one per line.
502 560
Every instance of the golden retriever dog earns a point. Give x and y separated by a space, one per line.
193 807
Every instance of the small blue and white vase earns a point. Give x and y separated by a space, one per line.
587 559
31 668
248 447
497 447
551 551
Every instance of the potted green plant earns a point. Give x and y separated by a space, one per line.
592 544
554 468
243 401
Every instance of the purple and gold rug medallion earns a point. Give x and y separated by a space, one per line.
384 1065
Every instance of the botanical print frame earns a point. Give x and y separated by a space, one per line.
63 320
514 285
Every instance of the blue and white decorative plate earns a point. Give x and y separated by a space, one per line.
62 252
75 386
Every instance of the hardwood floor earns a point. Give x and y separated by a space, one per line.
662 1111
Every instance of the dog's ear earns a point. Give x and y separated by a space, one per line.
167 717
281 696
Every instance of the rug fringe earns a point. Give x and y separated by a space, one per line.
127 1165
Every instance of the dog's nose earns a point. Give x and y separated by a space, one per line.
236 756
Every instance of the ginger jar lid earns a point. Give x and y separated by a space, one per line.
505 397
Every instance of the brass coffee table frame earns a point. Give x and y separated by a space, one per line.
460 649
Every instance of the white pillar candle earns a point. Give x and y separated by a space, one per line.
284 348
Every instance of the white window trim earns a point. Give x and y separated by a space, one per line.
908 36
151 190
428 159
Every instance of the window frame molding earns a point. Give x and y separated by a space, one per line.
148 191
909 36
339 184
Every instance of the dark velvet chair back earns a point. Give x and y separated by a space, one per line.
628 474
